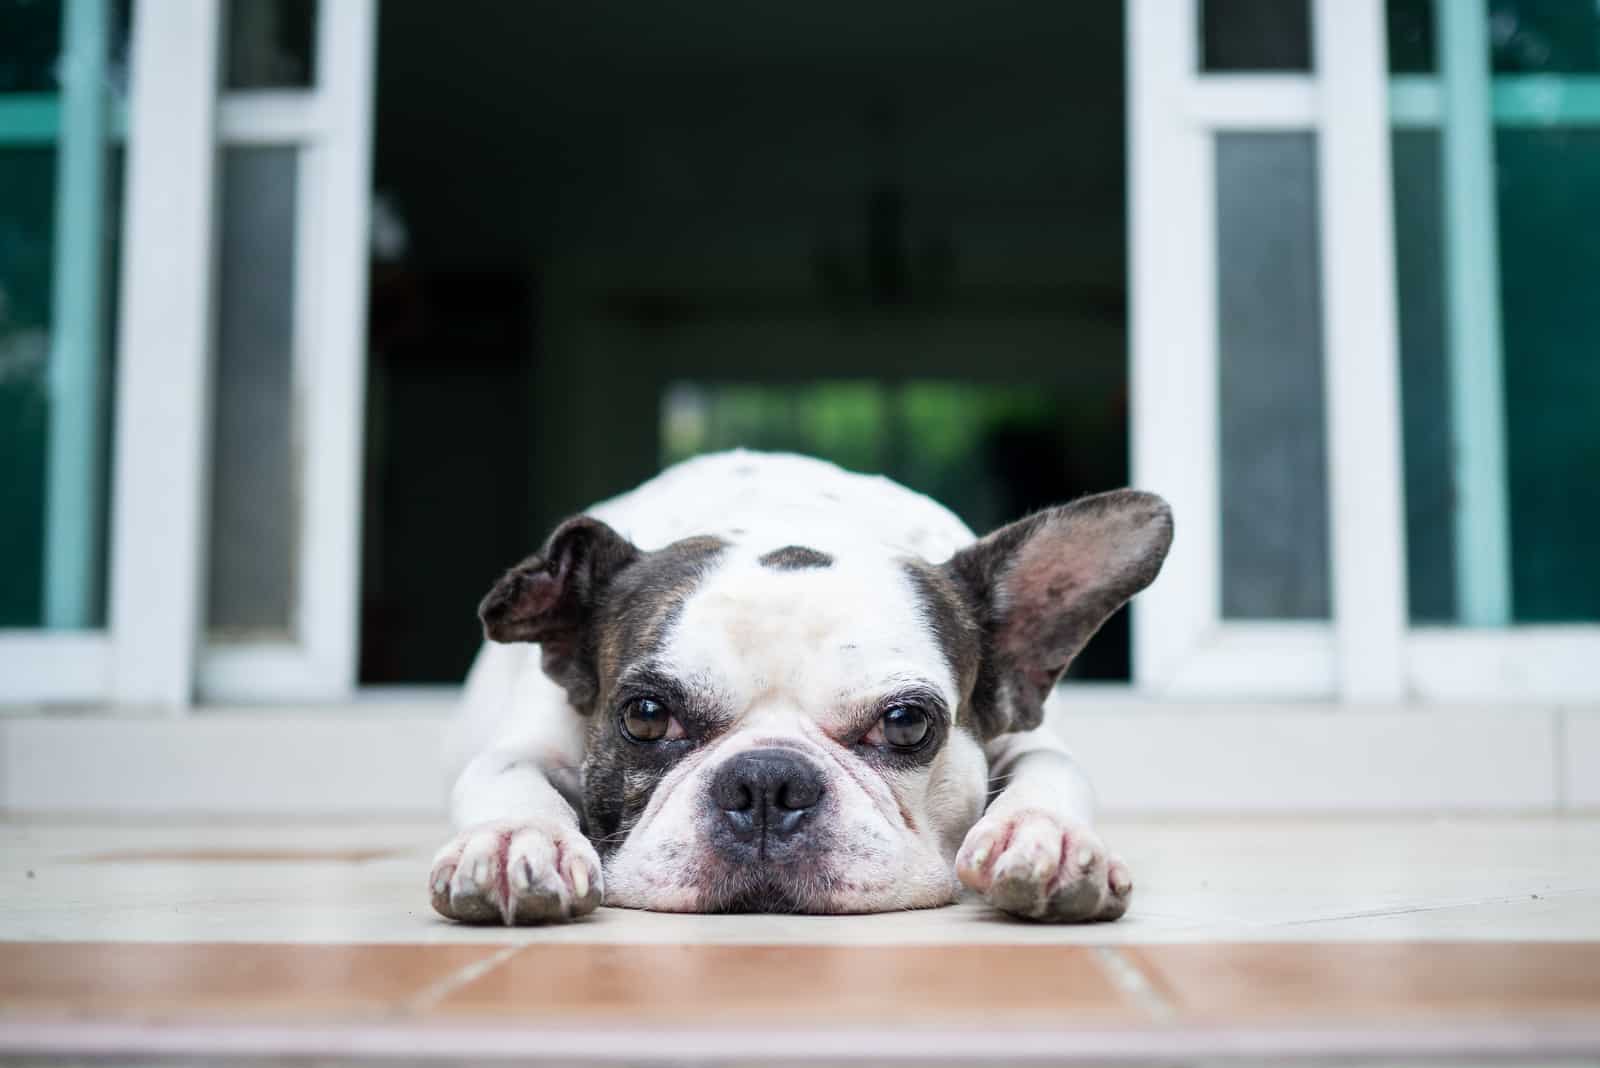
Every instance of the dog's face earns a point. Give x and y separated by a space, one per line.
797 728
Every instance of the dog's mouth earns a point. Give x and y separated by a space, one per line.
768 897
768 888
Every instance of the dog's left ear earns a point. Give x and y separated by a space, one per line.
1042 586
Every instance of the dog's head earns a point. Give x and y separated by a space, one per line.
800 728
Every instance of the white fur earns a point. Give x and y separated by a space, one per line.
793 653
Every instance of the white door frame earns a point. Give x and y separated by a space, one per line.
1367 652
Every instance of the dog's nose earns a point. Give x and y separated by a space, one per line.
765 794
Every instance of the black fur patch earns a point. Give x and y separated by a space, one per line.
642 603
795 558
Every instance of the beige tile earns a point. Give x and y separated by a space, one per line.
894 987
220 982
1370 984
1207 879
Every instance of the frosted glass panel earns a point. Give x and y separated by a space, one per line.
253 477
1269 336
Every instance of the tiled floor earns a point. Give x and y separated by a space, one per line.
1376 938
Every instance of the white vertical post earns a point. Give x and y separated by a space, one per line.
73 516
1173 329
163 430
332 363
1361 364
1472 298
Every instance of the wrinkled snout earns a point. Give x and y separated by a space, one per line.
765 803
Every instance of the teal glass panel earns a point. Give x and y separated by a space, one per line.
30 41
1525 36
1549 201
59 197
27 200
1546 206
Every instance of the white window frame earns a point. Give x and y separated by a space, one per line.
1368 652
330 125
154 651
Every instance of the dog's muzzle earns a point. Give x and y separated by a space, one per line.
765 805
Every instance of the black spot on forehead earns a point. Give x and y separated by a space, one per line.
795 558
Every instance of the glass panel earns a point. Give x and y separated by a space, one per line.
1255 35
253 514
1273 446
1525 36
1549 199
271 44
1545 393
913 264
1424 378
1411 45
30 42
1545 36
27 208
59 200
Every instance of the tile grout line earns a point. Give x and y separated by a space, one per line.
1127 977
436 992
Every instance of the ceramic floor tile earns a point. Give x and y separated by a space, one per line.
228 982
1374 983
905 987
1197 880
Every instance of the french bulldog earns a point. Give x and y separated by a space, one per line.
758 682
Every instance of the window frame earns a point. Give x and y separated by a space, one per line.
1369 652
154 650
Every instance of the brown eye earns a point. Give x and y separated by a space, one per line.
645 719
906 726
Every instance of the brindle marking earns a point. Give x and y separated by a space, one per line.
641 605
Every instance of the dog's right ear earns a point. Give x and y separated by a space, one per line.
550 598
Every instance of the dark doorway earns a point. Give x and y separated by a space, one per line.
613 235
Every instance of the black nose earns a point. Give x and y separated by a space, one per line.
765 794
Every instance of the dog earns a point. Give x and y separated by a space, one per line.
759 682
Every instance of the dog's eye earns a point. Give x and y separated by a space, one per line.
644 719
906 726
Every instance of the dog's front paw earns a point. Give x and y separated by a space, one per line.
516 873
1031 864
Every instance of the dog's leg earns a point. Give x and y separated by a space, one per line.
1034 852
520 855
